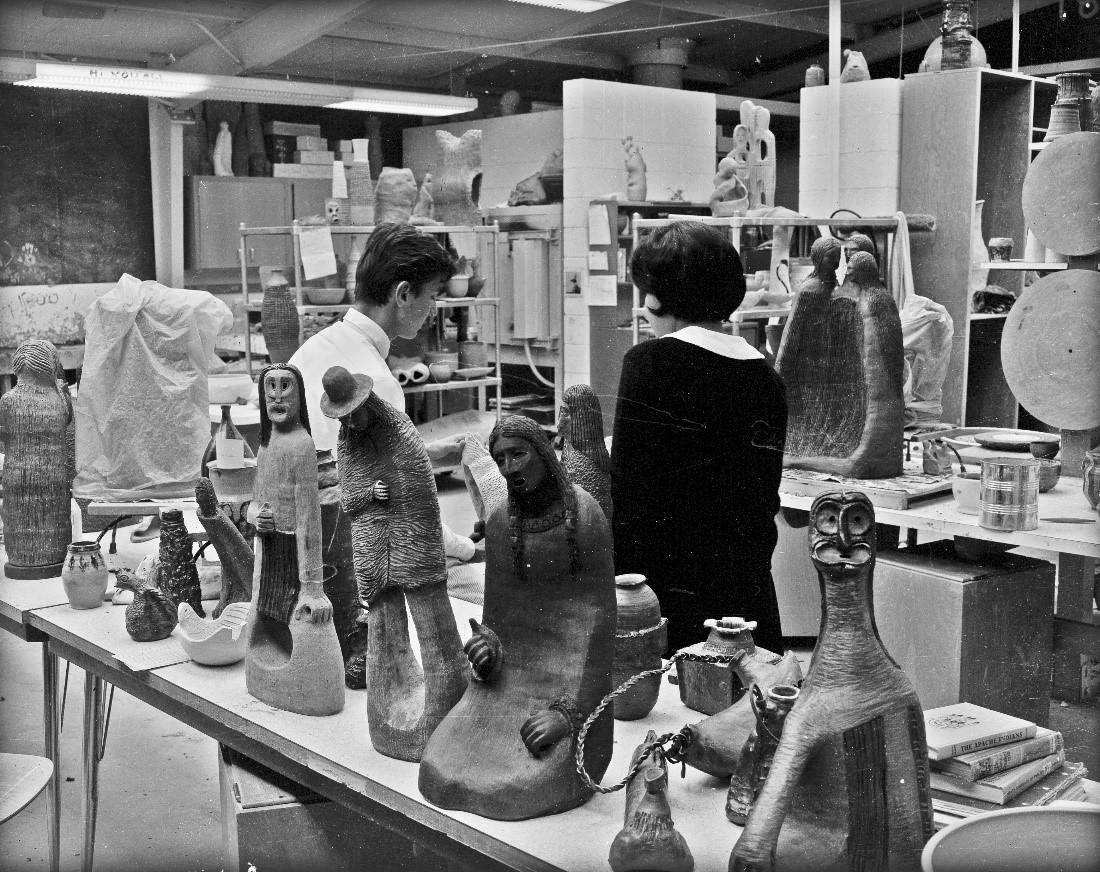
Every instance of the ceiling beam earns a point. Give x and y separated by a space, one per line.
210 10
799 21
882 45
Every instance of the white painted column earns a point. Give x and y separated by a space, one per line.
166 171
833 133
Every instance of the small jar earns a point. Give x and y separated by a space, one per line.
815 76
84 575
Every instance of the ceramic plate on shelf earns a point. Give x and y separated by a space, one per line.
473 372
1012 440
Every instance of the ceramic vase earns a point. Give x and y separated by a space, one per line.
1065 117
979 276
815 76
84 575
360 193
640 639
279 317
1090 477
177 575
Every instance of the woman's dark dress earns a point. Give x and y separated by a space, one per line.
696 462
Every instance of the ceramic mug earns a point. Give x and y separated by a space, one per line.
965 488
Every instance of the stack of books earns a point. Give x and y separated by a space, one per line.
982 760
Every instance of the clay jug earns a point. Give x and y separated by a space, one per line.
1090 477
279 316
84 575
640 639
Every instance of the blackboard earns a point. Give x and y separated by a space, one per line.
75 189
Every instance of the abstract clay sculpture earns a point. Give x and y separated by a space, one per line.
752 160
152 615
37 480
234 551
293 660
424 207
855 67
712 687
542 657
635 171
176 574
394 195
848 786
216 642
649 839
456 184
771 711
583 450
843 364
390 496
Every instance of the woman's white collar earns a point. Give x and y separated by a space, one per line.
724 344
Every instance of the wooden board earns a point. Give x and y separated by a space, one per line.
1061 194
898 492
1050 348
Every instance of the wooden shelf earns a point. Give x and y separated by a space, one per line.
1022 265
453 384
450 303
985 316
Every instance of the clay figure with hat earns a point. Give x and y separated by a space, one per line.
389 494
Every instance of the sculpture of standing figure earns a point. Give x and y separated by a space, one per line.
397 540
223 151
584 452
34 417
635 171
293 659
542 658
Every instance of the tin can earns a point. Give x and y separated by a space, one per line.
1009 495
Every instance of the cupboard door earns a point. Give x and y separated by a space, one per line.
217 208
309 197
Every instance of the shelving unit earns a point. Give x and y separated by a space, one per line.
490 234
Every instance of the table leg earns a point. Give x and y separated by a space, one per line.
52 745
93 729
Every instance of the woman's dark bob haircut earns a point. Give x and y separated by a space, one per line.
693 269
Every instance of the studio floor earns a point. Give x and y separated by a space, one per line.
159 805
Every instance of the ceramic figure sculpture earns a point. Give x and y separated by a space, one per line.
217 642
848 786
855 67
37 481
234 552
424 206
152 614
176 573
752 770
394 196
730 196
641 636
842 360
293 660
635 171
649 839
584 452
456 186
223 151
389 494
542 657
712 687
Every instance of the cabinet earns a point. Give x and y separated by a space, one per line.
966 136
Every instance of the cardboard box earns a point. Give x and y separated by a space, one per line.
313 157
287 128
312 143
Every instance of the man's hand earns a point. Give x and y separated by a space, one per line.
542 730
484 651
446 448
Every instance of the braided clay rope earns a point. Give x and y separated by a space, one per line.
676 741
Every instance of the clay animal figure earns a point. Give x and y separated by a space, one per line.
389 494
649 839
855 67
848 786
842 360
456 185
37 479
234 552
584 452
151 616
542 657
177 575
293 660
635 171
394 196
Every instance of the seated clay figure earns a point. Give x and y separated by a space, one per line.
542 658
842 362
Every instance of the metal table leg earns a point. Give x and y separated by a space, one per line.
93 729
52 747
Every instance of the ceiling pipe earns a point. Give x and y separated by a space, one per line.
661 65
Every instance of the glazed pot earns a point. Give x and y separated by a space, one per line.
84 575
1090 477
640 639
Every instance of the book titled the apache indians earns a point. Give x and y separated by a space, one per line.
961 727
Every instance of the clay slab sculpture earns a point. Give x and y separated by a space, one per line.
293 660
848 785
543 655
842 361
390 496
583 450
37 481
217 642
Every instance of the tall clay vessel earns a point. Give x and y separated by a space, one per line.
177 575
279 316
641 636
34 417
848 786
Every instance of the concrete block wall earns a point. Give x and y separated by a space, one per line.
513 147
675 132
870 149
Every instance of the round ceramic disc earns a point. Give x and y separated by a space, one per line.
1050 349
1061 196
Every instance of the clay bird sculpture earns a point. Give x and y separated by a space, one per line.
216 642
584 452
152 615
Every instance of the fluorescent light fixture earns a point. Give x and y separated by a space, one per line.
404 102
115 80
573 5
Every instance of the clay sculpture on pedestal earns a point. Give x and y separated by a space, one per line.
635 171
648 839
293 660
848 786
542 657
456 186
389 494
37 480
842 361
583 450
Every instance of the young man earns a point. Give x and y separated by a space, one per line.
399 275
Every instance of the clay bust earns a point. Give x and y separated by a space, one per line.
842 361
397 540
541 660
584 452
34 418
848 784
293 659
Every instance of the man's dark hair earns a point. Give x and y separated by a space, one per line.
692 268
398 253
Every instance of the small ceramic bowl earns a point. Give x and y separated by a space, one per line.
1044 450
457 286
965 488
1049 473
441 372
325 296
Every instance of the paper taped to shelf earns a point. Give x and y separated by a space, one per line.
318 256
599 225
601 291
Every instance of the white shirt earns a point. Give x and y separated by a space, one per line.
356 343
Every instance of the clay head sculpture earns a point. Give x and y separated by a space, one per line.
842 532
859 242
825 254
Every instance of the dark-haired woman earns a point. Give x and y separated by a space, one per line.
697 453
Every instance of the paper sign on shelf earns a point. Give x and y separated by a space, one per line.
601 291
359 149
599 226
318 257
597 261
339 180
